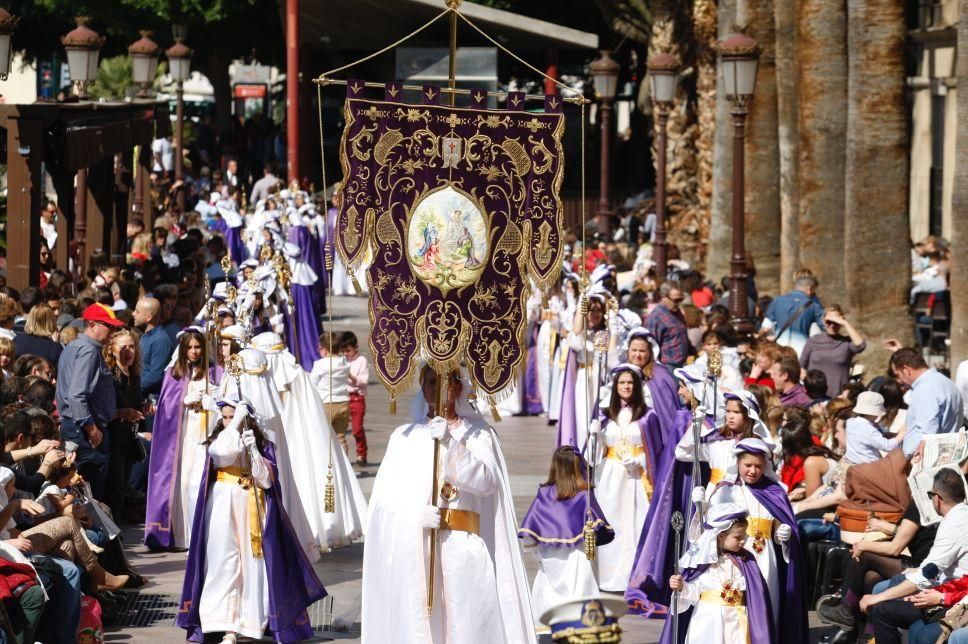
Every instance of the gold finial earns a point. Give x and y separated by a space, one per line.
454 5
715 363
226 264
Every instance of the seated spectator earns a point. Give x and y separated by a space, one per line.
805 461
935 403
785 373
28 365
815 382
895 409
765 355
887 611
865 439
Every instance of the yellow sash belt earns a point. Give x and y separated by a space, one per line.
463 520
763 526
716 475
256 500
616 454
737 598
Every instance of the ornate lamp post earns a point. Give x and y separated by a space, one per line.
179 61
83 46
664 77
604 73
144 62
7 25
738 59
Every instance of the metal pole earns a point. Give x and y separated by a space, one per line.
660 196
604 202
179 138
738 299
292 89
80 219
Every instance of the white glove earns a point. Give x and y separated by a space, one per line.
192 398
698 495
783 533
242 412
595 427
438 428
208 403
632 466
248 438
431 517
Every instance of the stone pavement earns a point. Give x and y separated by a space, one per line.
527 442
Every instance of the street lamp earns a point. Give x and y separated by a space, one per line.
664 78
738 58
7 24
179 64
144 62
83 46
604 73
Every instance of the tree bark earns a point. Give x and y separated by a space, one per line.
763 154
787 100
720 228
822 55
877 258
959 210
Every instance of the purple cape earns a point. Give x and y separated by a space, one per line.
655 555
550 522
165 459
758 611
531 393
793 625
567 424
293 585
665 397
233 241
312 254
304 344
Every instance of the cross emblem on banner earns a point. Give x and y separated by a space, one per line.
450 151
452 120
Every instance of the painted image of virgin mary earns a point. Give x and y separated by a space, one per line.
430 251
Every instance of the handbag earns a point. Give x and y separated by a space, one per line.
855 519
955 618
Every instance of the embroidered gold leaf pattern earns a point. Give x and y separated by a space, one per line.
519 156
491 172
385 144
351 238
485 298
493 120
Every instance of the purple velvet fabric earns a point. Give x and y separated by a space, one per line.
759 613
560 524
164 463
665 397
304 344
236 248
293 585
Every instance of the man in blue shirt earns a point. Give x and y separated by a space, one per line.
935 402
156 346
790 316
85 395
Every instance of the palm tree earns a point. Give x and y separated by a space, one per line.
113 78
876 237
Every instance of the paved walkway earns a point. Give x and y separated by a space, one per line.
527 442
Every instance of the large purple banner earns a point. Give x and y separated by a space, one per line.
456 212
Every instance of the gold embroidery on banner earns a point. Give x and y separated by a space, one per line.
493 120
392 356
365 135
356 87
453 120
478 97
386 230
412 115
393 90
372 113
534 125
492 368
519 156
490 172
431 93
553 102
385 144
350 236
544 249
514 100
539 148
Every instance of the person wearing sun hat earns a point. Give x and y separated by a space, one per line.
85 394
865 438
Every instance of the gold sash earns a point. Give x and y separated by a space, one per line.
762 528
463 520
616 454
716 475
235 475
736 598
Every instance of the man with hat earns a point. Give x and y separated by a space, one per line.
85 394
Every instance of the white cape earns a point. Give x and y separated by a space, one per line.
395 557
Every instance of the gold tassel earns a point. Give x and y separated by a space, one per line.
583 305
393 406
497 416
356 285
591 539
329 493
328 256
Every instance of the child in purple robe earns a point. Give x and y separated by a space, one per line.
553 531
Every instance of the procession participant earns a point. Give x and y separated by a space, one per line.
245 572
177 445
309 442
304 232
480 587
305 309
722 597
564 322
233 234
547 345
554 531
751 483
625 475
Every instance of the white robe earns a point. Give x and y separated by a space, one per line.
712 623
191 466
310 444
624 502
235 593
564 574
481 591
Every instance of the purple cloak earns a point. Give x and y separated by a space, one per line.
567 423
655 556
312 254
293 586
793 625
665 397
560 524
236 248
304 343
759 613
531 393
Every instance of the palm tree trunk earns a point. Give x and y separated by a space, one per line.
959 210
763 154
822 55
787 93
877 249
720 228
